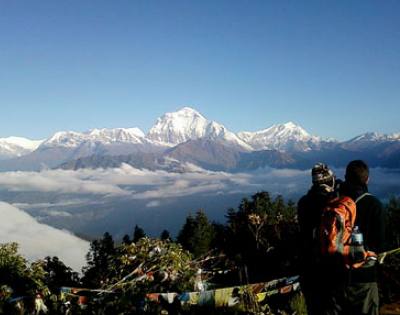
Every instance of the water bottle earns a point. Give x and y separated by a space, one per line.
357 245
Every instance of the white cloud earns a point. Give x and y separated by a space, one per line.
153 204
38 240
55 213
284 173
112 182
57 181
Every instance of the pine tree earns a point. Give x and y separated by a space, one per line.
126 239
165 235
138 233
101 262
197 234
58 274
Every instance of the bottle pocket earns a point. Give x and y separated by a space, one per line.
357 253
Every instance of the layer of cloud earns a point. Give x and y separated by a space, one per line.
57 181
120 182
129 182
38 240
153 204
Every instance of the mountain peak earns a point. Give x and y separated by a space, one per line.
188 124
373 136
179 126
22 142
281 137
187 110
291 124
16 146
73 139
117 133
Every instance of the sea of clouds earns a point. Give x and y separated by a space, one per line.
158 184
130 182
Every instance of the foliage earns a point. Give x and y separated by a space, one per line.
162 258
197 234
391 268
149 265
100 259
58 274
393 226
262 237
126 239
138 233
17 273
298 304
18 277
165 235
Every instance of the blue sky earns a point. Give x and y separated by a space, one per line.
331 66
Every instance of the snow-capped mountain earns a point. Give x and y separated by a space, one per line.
371 140
16 146
72 139
66 146
188 137
218 132
178 127
116 141
282 137
188 124
375 137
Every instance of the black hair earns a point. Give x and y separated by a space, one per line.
357 172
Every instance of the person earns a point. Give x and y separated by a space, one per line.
361 292
309 210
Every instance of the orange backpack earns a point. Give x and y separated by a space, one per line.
337 223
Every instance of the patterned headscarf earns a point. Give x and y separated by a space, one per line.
322 175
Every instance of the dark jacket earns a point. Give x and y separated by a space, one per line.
309 211
370 218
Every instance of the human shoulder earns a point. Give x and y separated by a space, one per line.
303 200
371 198
373 202
302 205
307 197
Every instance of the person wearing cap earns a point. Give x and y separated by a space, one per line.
361 288
309 210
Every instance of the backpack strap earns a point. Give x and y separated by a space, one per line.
362 196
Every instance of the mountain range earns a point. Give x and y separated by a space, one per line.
186 136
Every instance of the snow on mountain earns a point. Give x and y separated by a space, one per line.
188 124
371 140
118 134
218 132
12 147
187 136
395 136
72 139
375 137
177 127
66 146
282 137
